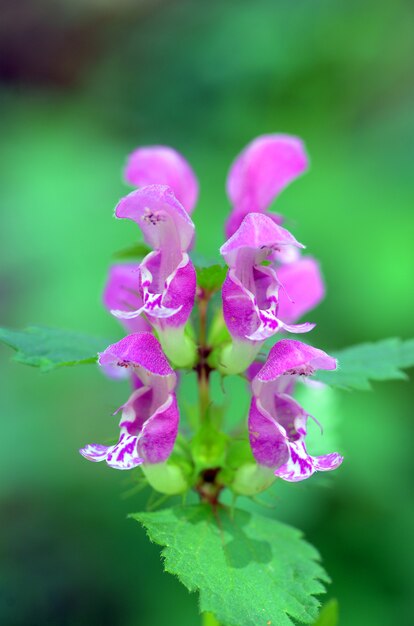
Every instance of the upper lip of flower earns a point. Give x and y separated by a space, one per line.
163 165
162 219
260 172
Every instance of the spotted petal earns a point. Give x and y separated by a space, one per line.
122 456
302 465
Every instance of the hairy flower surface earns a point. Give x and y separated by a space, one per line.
150 416
277 423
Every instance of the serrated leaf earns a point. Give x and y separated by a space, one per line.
137 251
359 364
211 278
329 614
249 570
48 348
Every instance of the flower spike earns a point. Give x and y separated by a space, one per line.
149 418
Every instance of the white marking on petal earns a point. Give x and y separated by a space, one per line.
301 465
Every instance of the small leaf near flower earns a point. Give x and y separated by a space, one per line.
211 278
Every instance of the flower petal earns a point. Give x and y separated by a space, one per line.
163 165
267 438
258 233
235 219
159 432
261 171
122 294
301 465
122 456
289 356
302 288
173 303
139 350
161 217
95 452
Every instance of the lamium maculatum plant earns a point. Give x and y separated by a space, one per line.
249 569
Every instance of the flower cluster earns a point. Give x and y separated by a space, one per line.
268 287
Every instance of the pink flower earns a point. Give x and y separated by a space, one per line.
251 290
277 422
261 171
162 165
165 280
150 416
122 292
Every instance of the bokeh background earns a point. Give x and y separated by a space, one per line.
83 82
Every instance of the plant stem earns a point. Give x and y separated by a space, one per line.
209 620
204 393
203 369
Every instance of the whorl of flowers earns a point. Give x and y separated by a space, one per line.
268 287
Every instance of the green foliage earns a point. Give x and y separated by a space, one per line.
359 364
329 614
211 278
249 570
48 348
135 252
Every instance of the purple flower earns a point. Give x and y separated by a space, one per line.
165 280
122 292
162 165
251 289
149 418
277 423
263 169
301 290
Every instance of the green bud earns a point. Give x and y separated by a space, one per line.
179 346
169 478
236 357
251 479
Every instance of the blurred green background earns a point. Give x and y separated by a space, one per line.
82 84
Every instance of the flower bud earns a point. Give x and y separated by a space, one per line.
170 478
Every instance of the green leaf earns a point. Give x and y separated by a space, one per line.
249 570
211 278
329 614
48 348
358 365
136 251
